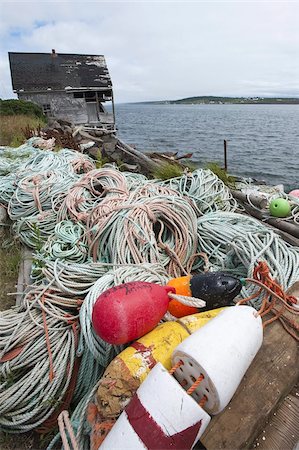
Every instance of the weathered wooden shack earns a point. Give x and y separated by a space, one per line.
66 86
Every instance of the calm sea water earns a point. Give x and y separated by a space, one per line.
263 140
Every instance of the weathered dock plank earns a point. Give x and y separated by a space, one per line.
282 429
271 376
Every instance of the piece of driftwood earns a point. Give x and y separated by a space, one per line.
257 201
170 159
87 135
77 130
144 161
24 274
270 377
283 234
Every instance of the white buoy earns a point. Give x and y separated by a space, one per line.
161 415
220 352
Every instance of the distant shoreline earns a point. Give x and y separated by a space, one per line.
211 100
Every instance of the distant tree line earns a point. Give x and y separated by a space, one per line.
248 100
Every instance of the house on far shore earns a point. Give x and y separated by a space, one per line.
66 86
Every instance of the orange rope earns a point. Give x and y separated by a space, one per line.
176 366
203 401
204 256
263 278
195 384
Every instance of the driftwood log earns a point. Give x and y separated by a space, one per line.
257 201
146 163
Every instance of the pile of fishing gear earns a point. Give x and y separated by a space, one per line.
91 229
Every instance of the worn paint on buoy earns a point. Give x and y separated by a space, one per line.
161 415
294 193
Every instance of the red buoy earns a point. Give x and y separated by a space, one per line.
126 312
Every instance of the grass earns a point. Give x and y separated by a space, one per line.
101 160
12 129
228 180
14 106
167 170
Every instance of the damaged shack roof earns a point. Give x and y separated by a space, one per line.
57 71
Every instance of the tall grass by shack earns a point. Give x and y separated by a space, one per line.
12 129
17 116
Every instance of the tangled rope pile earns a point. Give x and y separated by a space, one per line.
68 242
69 278
274 296
12 158
29 396
237 243
143 229
92 229
205 189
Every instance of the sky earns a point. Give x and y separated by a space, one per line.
165 50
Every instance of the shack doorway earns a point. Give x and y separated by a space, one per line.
92 112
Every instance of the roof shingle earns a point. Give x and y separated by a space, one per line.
57 71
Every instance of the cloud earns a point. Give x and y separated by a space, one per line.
166 50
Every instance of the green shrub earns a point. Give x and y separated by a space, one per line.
14 107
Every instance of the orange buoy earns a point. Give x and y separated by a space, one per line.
217 289
182 287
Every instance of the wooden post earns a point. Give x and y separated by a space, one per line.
97 106
113 109
225 154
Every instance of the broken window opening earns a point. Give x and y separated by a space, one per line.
46 109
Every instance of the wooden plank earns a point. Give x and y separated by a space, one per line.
282 430
24 273
3 215
270 377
